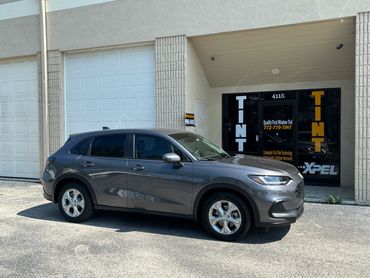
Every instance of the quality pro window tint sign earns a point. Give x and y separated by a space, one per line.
301 127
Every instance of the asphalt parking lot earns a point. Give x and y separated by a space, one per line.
328 240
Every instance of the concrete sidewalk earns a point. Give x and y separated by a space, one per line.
317 194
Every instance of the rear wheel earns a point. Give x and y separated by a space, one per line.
225 216
75 203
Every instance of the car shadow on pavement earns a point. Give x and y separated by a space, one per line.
128 222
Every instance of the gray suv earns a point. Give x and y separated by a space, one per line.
171 172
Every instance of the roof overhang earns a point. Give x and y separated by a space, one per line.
295 53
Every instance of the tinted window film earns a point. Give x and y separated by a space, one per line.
109 145
151 147
240 123
82 148
318 136
299 126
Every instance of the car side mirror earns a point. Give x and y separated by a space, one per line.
171 157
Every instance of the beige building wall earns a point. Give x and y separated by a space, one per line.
347 116
125 21
19 36
122 22
197 92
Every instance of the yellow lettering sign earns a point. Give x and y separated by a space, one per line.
318 129
318 95
318 142
317 113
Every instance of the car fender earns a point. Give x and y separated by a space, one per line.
226 186
75 177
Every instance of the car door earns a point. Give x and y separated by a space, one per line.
157 185
105 167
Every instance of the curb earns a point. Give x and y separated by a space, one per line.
344 202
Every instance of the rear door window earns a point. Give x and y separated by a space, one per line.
109 146
82 148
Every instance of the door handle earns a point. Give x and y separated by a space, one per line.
87 164
138 167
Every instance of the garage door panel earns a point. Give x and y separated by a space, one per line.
128 80
109 82
111 60
103 88
75 127
91 84
91 61
5 88
75 63
74 84
19 120
7 167
21 68
5 110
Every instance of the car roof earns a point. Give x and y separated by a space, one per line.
153 131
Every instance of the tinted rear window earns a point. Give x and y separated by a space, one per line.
82 148
109 145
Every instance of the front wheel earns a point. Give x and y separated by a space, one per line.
225 216
75 203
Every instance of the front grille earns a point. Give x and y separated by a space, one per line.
299 191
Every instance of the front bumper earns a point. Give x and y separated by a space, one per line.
283 218
47 186
46 195
281 207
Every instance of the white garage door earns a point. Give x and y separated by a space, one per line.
19 120
113 88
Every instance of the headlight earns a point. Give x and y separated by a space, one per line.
270 180
300 175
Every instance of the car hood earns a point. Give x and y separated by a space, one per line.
260 163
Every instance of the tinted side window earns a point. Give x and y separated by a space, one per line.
151 147
109 145
82 147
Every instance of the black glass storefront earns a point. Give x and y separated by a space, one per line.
301 127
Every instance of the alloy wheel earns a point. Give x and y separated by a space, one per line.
73 202
225 217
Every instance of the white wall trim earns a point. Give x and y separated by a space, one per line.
118 46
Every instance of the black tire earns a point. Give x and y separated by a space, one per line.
244 216
88 209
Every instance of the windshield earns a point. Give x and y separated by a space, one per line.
199 147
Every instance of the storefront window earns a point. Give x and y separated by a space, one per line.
300 127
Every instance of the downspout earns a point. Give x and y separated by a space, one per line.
44 80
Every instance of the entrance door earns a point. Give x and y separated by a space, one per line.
301 127
277 131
